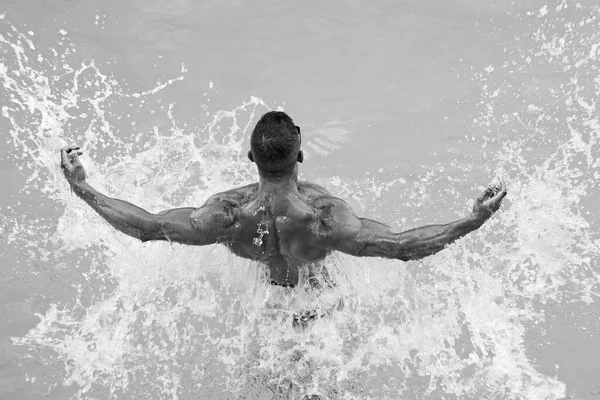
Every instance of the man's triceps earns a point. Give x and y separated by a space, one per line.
174 226
194 226
371 238
378 240
356 236
368 238
418 243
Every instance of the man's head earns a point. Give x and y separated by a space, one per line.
275 143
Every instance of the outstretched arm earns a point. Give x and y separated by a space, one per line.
368 238
173 225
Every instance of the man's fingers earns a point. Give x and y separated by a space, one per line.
498 188
502 188
64 156
493 195
499 196
68 149
71 148
69 156
482 196
486 194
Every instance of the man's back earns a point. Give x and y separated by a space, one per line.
281 229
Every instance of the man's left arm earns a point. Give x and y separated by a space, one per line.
172 225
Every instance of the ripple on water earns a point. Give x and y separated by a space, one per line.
165 321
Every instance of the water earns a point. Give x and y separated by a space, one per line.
407 110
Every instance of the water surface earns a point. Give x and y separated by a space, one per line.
408 109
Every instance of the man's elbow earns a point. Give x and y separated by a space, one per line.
404 257
151 230
145 236
379 250
418 254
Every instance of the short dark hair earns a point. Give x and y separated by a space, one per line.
275 142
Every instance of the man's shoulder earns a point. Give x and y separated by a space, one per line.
334 214
217 209
319 197
313 190
237 195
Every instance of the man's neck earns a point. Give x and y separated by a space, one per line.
286 182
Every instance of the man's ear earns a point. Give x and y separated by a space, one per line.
250 157
300 156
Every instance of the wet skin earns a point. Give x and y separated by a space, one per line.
279 221
281 230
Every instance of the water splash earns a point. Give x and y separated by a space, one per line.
162 321
262 230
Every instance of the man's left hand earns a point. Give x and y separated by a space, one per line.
71 166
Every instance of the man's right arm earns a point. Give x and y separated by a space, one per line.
362 237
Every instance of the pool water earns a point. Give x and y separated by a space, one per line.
408 110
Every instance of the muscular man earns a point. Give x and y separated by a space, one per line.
279 221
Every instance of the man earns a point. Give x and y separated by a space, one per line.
279 221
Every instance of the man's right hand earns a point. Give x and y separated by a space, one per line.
71 166
489 201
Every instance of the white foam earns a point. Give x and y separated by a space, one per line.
170 321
